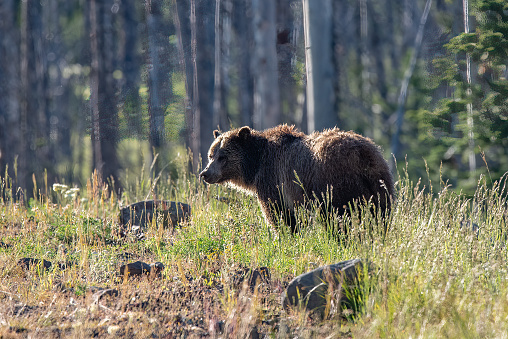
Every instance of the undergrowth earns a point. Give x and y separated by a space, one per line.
440 264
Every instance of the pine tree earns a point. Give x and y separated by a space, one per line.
487 48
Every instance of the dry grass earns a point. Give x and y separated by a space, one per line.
438 277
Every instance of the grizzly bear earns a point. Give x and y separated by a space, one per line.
286 168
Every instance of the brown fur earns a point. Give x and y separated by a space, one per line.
265 163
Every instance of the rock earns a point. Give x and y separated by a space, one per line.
260 275
141 213
105 293
156 268
67 264
254 333
135 268
139 268
113 329
4 245
312 288
28 263
216 327
95 289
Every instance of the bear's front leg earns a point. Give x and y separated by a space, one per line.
275 211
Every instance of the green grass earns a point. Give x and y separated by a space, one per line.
434 275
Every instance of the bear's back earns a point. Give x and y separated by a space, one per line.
282 134
350 163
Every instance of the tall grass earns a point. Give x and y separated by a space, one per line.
440 262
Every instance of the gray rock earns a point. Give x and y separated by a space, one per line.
254 333
141 213
156 268
28 263
255 277
135 268
260 275
313 289
110 292
138 268
67 264
4 245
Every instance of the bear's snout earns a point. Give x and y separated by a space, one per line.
204 175
207 176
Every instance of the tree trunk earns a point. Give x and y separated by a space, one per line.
59 93
241 23
35 155
266 86
395 144
469 93
183 29
320 71
10 132
131 62
220 114
102 94
286 49
202 35
159 72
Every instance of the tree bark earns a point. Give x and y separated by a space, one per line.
266 85
131 65
242 16
102 94
395 144
183 29
220 114
469 93
159 72
286 49
318 56
34 156
10 132
202 36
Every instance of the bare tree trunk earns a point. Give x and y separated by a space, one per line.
104 114
470 123
300 93
94 87
266 86
365 52
286 50
241 22
220 113
35 155
131 62
409 18
58 92
202 35
341 42
10 132
395 145
320 71
159 73
183 28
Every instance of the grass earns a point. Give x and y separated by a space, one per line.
441 267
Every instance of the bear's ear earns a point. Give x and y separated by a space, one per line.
244 132
216 133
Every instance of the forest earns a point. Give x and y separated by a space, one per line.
110 85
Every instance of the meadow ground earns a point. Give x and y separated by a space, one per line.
441 268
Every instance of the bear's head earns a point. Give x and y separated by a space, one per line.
227 157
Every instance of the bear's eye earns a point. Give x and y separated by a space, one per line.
221 157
